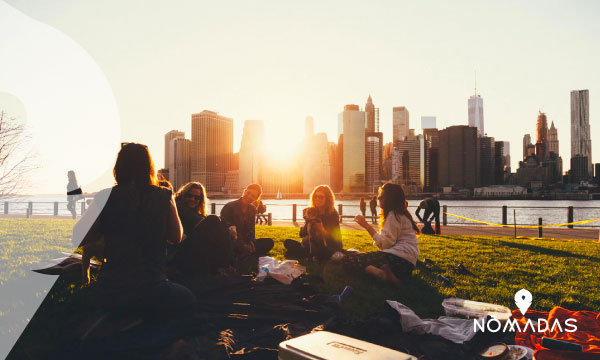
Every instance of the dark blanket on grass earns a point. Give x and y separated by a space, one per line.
237 318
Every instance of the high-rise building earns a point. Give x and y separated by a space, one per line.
373 162
541 144
581 143
168 137
251 153
553 140
409 163
336 159
212 149
459 157
317 169
400 123
526 143
499 164
351 123
179 162
579 169
506 156
476 113
428 122
432 138
370 111
487 156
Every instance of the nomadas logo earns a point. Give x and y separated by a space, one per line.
523 300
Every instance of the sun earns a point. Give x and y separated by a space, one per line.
282 146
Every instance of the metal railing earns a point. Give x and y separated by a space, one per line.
491 215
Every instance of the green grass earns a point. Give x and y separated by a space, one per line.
23 241
557 272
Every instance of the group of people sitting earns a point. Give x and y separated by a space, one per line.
147 236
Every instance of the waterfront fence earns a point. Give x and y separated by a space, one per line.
520 216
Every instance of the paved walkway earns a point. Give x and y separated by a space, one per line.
547 232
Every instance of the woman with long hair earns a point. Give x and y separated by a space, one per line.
321 236
397 239
135 220
207 245
191 204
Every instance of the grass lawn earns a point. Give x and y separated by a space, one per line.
557 272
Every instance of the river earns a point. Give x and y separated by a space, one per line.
527 211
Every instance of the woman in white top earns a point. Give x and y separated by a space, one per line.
397 239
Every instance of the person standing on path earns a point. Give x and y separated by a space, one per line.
373 206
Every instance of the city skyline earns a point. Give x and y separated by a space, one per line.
295 63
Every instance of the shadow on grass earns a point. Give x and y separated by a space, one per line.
369 296
532 248
546 251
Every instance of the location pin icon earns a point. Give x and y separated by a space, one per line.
523 300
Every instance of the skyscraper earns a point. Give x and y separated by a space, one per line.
541 144
506 156
553 140
409 162
317 168
400 123
373 153
251 152
476 113
212 149
432 138
370 110
487 155
351 123
459 157
168 137
179 162
581 144
428 122
526 143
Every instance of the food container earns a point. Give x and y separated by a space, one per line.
324 345
474 309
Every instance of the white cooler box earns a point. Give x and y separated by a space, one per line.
324 345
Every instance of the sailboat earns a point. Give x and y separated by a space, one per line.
278 197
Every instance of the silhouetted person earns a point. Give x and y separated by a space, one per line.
321 236
432 212
397 239
261 208
135 220
363 206
373 206
74 193
207 245
239 215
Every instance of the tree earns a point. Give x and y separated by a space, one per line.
15 159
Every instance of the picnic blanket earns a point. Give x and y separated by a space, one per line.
587 334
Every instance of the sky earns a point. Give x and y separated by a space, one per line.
151 64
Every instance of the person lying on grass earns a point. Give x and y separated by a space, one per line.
397 240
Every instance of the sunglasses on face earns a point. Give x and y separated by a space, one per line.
195 197
319 197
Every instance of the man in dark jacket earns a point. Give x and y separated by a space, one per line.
432 208
240 217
